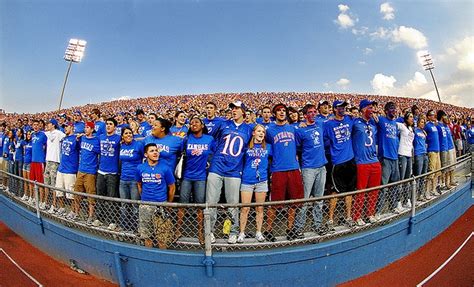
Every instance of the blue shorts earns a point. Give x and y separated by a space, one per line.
257 187
26 167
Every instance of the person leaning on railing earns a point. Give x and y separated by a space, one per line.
433 148
420 164
156 183
405 154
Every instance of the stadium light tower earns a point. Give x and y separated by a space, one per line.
74 53
428 66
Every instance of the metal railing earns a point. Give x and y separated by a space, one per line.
188 226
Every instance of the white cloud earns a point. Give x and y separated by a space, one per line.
382 84
343 8
368 51
122 98
387 10
362 63
360 31
409 36
465 52
343 82
381 33
417 81
344 19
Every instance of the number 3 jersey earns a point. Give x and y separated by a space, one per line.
364 141
231 144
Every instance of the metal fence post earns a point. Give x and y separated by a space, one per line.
208 261
38 213
413 206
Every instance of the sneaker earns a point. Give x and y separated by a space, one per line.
399 206
61 211
112 227
31 201
52 210
269 236
349 222
360 222
42 205
300 235
259 236
438 190
378 216
408 205
232 239
454 184
330 225
241 238
96 222
24 198
372 219
213 238
90 220
71 216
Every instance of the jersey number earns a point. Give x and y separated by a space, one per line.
230 143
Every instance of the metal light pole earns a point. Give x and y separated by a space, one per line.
74 53
428 66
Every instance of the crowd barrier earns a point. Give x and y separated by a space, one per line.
188 227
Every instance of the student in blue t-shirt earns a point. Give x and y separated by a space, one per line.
286 175
310 140
120 123
389 141
99 125
18 159
144 126
169 146
337 133
68 167
79 125
450 153
255 180
198 148
420 164
38 154
227 164
211 121
87 171
108 173
156 183
179 129
131 155
26 143
433 148
369 170
266 118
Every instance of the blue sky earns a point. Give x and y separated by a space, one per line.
147 48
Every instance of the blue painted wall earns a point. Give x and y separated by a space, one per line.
316 265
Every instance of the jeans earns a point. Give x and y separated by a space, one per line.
420 166
405 173
198 187
232 193
390 173
128 189
314 180
18 170
107 185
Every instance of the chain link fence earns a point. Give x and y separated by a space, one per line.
268 225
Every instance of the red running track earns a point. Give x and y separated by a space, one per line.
419 265
408 271
44 269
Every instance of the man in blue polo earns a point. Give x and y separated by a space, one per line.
434 160
310 140
227 165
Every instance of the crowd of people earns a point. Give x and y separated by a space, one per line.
281 146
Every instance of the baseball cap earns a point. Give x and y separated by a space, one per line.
238 104
78 113
54 122
322 103
365 102
280 105
339 103
90 124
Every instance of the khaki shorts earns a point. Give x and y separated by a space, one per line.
451 158
3 164
152 224
85 182
65 181
434 163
